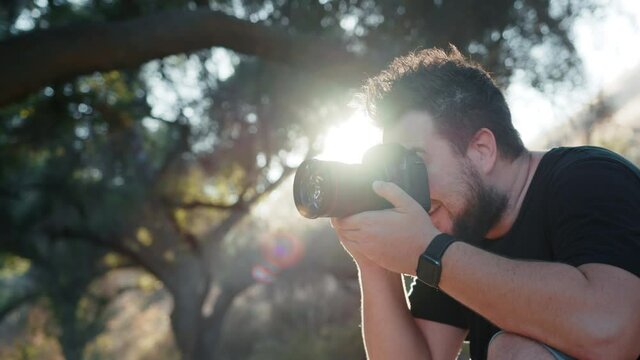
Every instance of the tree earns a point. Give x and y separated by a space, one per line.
158 159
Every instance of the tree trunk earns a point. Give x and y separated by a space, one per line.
71 338
185 320
188 286
211 332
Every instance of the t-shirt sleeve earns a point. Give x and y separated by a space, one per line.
596 215
431 304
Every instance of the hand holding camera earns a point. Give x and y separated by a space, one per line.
393 237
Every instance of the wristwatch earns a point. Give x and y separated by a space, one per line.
430 262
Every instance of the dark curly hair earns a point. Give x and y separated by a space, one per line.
459 95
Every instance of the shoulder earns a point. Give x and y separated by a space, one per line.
593 207
588 170
563 158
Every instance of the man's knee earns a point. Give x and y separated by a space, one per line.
506 345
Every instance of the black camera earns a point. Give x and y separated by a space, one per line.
334 189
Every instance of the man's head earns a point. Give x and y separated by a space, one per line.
459 95
452 113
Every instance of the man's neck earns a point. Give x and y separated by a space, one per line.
514 178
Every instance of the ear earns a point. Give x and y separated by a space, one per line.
483 150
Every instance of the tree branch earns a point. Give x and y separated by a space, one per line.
272 186
210 205
112 244
18 301
84 48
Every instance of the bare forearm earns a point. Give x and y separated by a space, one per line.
388 327
550 302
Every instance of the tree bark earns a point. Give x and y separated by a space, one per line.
71 340
189 285
209 337
35 59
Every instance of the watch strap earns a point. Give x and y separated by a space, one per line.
430 261
439 245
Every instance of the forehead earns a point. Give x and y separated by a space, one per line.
414 129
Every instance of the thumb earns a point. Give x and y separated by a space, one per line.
393 193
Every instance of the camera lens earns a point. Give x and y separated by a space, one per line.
329 188
312 190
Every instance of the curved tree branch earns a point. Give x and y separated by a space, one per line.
41 57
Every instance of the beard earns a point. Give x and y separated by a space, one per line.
485 205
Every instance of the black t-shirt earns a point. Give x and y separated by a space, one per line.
583 206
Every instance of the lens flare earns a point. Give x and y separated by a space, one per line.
279 251
282 250
263 274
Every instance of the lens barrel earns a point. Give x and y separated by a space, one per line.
334 189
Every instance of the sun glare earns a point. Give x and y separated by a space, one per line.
348 141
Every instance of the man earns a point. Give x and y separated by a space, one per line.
527 254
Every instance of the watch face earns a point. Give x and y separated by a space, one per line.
429 270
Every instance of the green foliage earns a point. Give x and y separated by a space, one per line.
13 266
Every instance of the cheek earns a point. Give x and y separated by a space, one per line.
451 192
442 182
437 188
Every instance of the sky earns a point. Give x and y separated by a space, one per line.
608 48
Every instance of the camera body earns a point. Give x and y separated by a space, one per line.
334 189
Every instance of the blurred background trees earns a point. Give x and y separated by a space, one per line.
137 138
